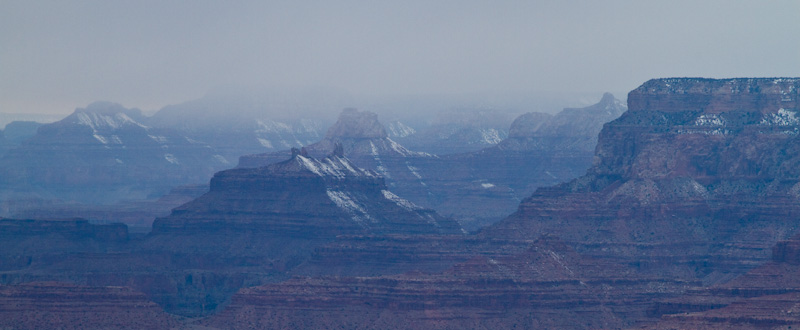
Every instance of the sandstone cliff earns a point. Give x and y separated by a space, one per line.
699 173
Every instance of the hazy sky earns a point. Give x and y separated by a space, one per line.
59 55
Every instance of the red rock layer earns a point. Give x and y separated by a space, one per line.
544 286
52 305
700 176
716 95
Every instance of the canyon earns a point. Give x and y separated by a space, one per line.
477 188
685 218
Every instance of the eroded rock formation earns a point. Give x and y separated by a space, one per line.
699 173
479 187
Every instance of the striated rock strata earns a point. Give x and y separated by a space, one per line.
306 197
53 305
256 224
543 286
767 297
699 175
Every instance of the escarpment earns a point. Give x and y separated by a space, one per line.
698 172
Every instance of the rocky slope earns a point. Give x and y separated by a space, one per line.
698 175
672 204
261 222
103 154
570 130
53 305
541 285
479 187
456 131
541 150
765 298
363 138
366 143
680 201
254 226
306 196
237 123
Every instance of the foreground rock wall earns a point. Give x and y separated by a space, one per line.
53 305
688 176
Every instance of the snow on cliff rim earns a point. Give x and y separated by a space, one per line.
332 166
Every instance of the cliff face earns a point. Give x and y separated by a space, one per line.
716 96
699 169
704 129
573 130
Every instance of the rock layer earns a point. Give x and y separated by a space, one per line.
306 197
698 173
52 305
545 285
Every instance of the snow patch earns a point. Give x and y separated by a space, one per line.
414 171
265 143
95 120
402 150
399 201
398 129
273 127
309 164
347 203
221 159
309 126
332 166
782 118
490 136
377 157
163 139
191 140
560 261
100 138
709 120
717 131
171 158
